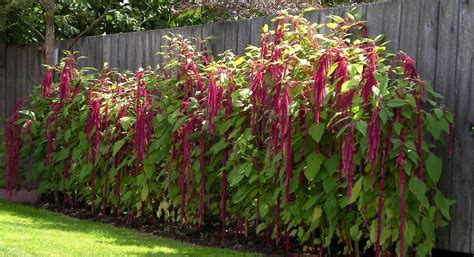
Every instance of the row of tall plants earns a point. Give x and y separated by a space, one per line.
321 143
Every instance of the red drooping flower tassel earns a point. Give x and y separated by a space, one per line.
341 75
319 85
93 136
202 183
409 70
211 104
277 220
118 155
348 161
289 162
65 78
141 136
373 141
228 112
368 75
46 90
65 178
400 163
380 204
12 140
419 138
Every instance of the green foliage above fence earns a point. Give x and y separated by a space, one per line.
318 141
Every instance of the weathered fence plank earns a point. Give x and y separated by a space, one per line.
461 223
428 39
243 36
409 28
3 59
445 77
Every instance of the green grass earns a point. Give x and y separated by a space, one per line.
27 231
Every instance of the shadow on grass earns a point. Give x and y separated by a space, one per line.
58 230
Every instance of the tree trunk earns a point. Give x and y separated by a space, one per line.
49 37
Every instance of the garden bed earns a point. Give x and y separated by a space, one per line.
210 236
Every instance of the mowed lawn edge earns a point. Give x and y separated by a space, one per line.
28 231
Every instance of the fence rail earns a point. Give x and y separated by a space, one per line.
439 34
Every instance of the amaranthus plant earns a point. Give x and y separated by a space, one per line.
318 143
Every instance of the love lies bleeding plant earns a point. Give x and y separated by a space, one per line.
317 143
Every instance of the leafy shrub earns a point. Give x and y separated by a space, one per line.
314 140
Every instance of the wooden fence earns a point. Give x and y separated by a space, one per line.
439 34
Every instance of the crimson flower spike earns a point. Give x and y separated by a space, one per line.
46 90
373 141
368 76
400 162
319 85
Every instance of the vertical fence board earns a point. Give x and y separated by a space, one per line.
256 30
114 53
122 52
218 44
463 150
147 51
409 28
427 40
19 74
243 36
156 47
37 68
106 41
391 23
445 84
13 81
374 20
231 32
3 73
131 63
28 86
313 16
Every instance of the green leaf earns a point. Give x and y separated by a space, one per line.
117 146
261 227
264 210
63 154
144 192
314 165
317 213
396 103
125 122
434 166
433 126
383 116
355 232
443 204
331 25
316 131
355 192
362 127
439 113
417 187
148 169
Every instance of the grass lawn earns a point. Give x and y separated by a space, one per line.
27 231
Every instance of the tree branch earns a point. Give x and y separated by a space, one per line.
43 5
92 25
35 30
